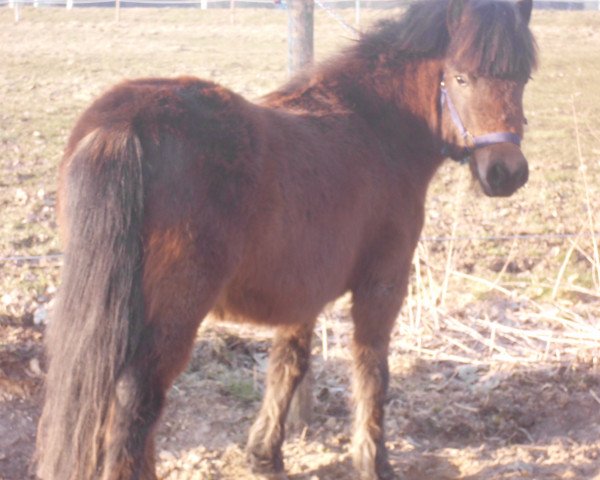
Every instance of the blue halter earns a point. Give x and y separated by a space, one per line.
473 142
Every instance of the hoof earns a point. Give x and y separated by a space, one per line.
266 468
383 471
386 472
271 476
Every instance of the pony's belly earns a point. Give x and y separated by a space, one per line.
272 306
293 268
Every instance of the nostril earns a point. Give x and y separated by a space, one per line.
522 176
497 175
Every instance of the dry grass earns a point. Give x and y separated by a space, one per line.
471 300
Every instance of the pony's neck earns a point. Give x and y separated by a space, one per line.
399 101
418 103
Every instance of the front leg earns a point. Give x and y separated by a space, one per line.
288 362
370 385
375 308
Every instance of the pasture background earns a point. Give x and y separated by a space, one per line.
494 360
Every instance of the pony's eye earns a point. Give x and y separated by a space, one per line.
460 80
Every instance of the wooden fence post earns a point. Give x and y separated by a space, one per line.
300 56
232 11
17 8
300 34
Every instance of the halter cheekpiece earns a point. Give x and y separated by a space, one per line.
473 142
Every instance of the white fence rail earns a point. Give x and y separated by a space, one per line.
203 4
329 5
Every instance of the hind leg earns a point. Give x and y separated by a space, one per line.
288 362
136 408
178 297
300 412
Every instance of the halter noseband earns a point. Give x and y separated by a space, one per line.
473 142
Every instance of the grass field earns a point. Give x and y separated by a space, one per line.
519 312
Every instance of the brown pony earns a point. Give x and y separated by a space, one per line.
179 197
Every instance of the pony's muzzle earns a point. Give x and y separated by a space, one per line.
501 169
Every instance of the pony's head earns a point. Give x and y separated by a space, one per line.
489 60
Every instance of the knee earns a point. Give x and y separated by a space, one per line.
294 353
127 391
138 396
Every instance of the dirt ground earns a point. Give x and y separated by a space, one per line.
445 420
494 366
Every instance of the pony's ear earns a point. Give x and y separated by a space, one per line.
524 7
454 14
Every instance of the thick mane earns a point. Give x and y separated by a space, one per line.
491 41
420 32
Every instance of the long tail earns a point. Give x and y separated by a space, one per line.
98 317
